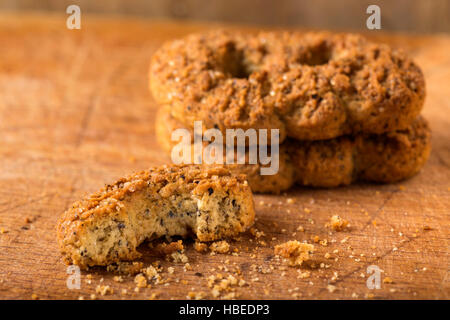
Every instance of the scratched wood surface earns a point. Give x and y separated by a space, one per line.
75 113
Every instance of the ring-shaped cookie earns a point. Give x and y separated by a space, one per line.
311 86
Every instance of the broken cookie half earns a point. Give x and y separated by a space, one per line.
206 202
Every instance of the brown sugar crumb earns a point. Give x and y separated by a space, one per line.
104 290
164 249
220 246
140 281
294 251
129 268
200 246
337 223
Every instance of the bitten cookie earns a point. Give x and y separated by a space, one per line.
384 158
311 86
207 202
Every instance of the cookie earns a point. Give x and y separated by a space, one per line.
383 158
311 86
207 202
165 124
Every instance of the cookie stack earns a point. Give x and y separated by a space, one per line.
346 109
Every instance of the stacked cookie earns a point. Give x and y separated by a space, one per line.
346 109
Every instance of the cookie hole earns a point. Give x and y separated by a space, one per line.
316 55
231 62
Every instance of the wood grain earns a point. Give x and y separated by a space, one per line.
75 113
398 15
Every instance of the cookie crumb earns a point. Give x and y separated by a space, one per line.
196 295
129 268
337 223
387 280
294 251
200 246
256 233
164 249
331 288
179 257
220 246
151 272
153 296
104 290
140 280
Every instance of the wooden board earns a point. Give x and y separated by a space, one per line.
75 113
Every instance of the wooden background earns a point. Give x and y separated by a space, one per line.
396 15
75 113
